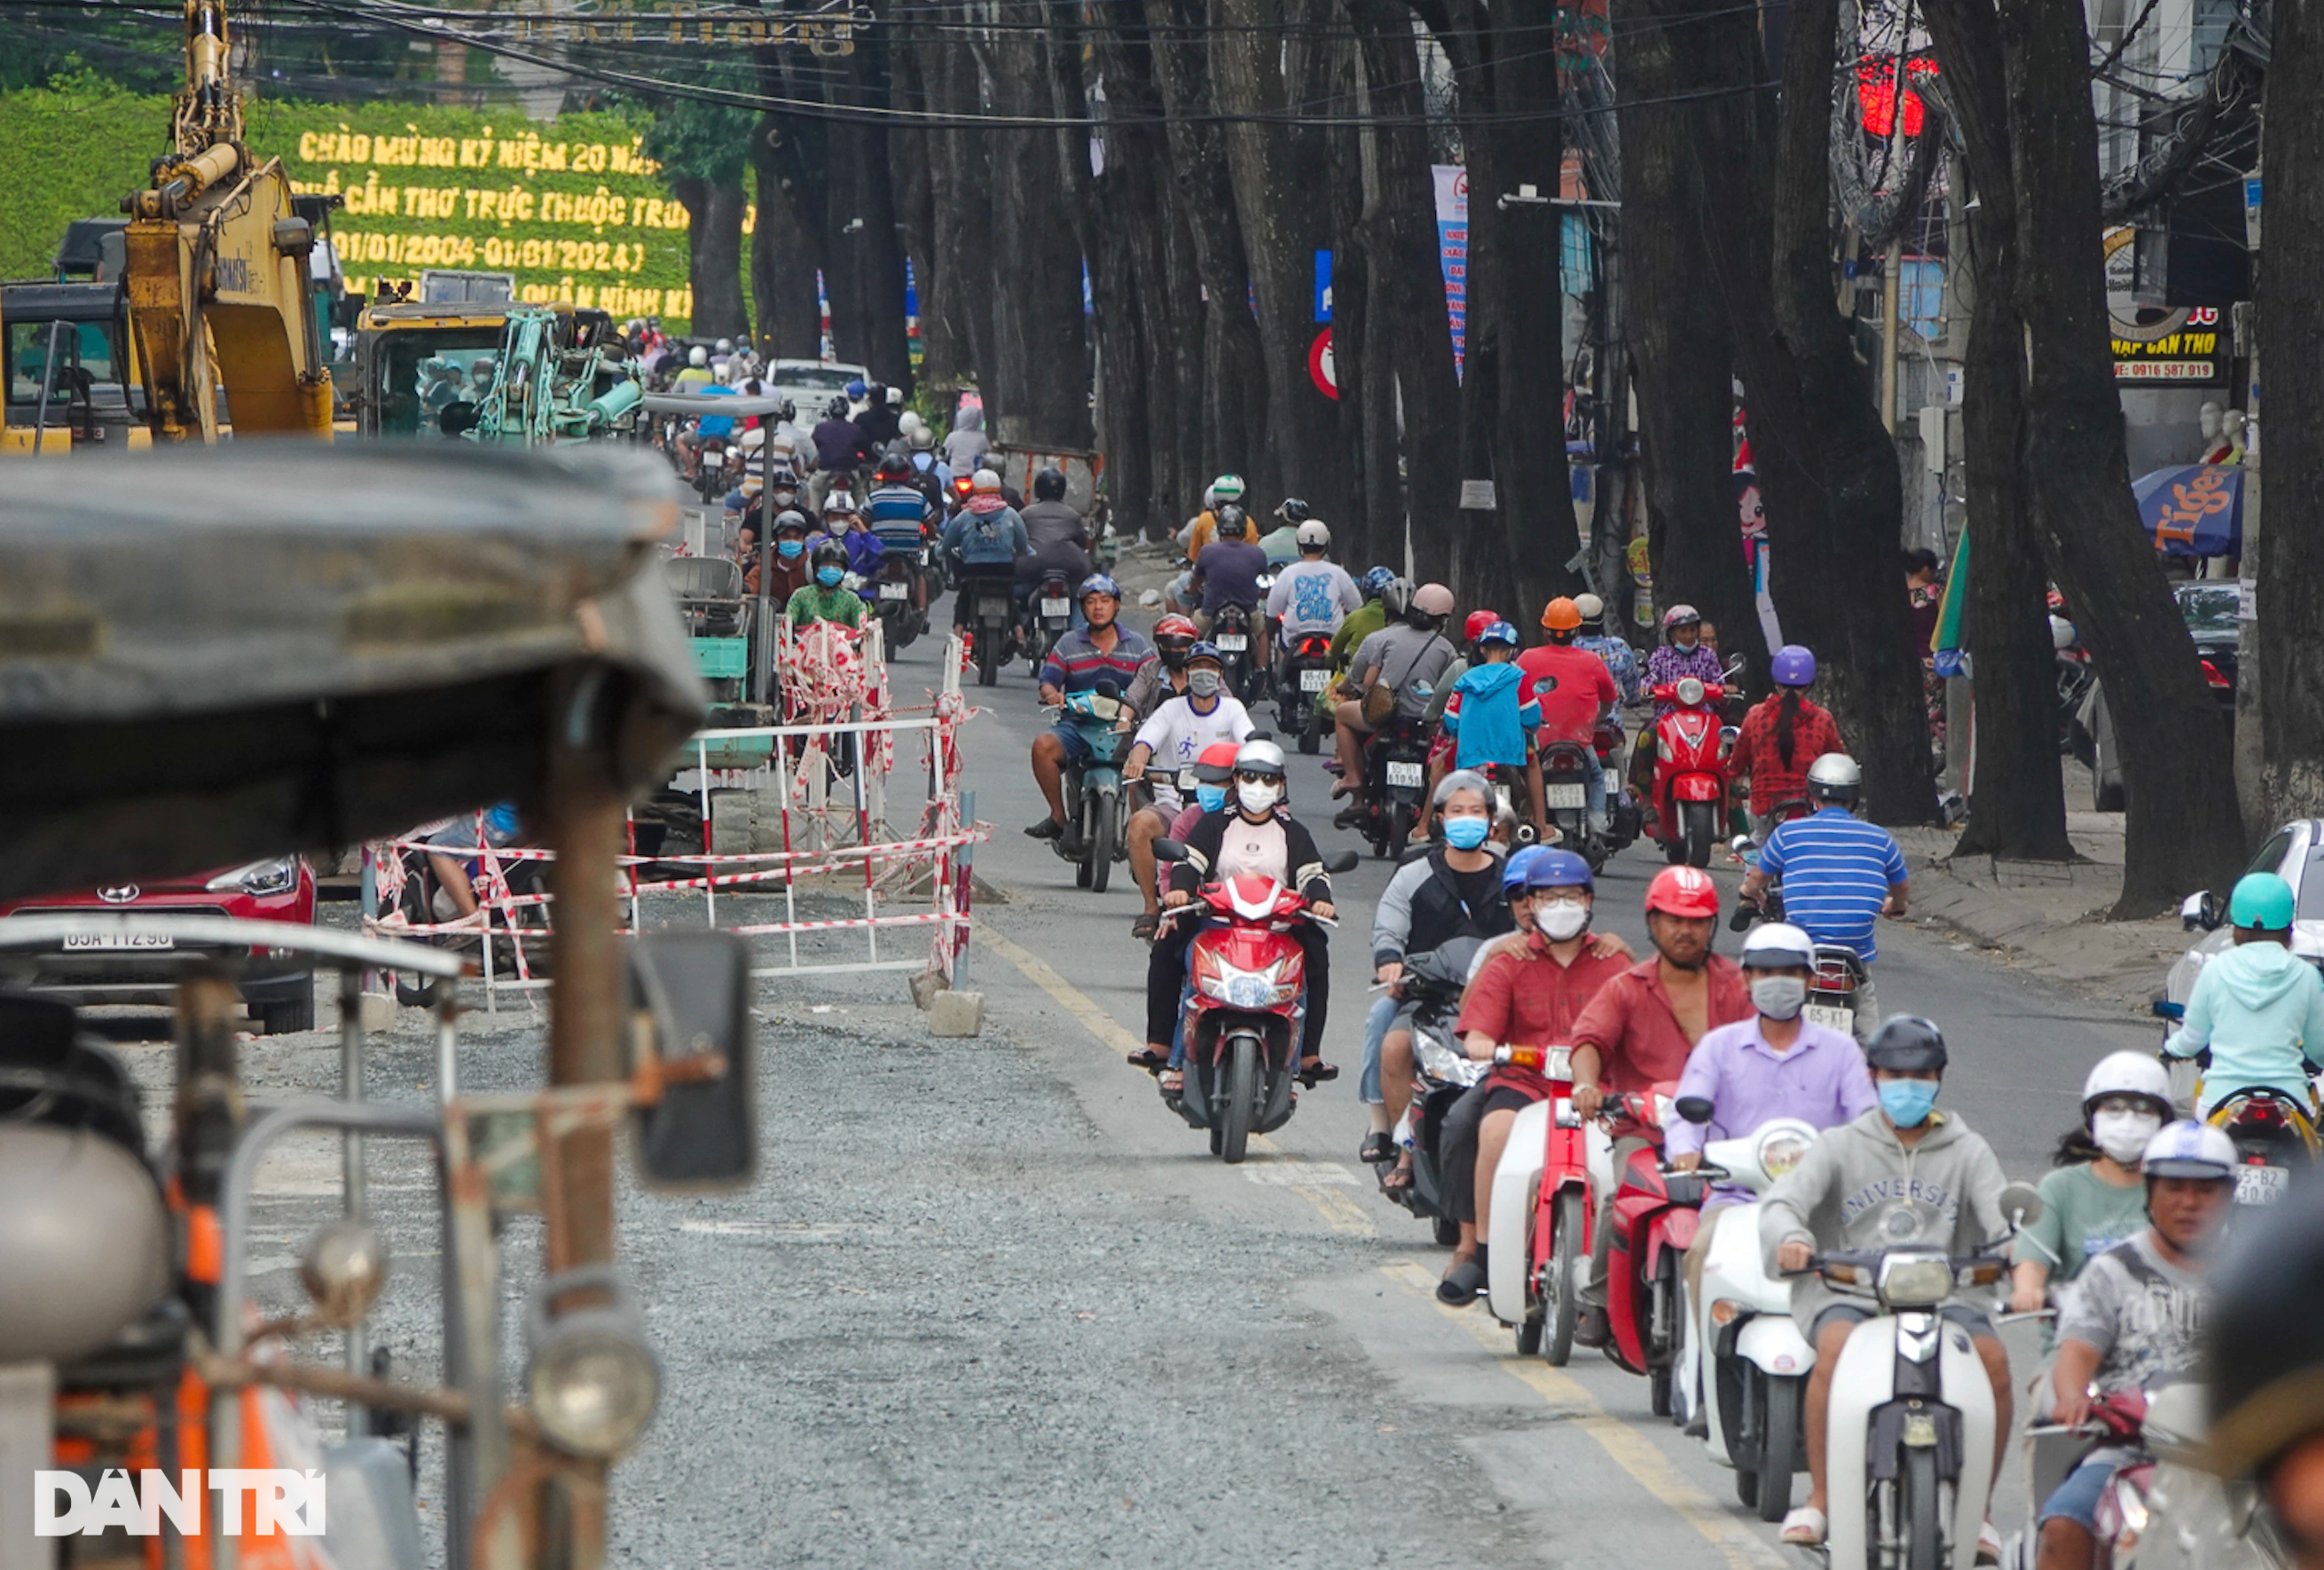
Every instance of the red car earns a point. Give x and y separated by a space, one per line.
144 967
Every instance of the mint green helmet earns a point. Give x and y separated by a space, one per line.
2262 902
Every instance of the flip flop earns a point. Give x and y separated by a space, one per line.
1148 1059
1989 1545
1378 1148
1145 925
1389 1180
1806 1527
1315 1071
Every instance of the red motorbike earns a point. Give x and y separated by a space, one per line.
1689 789
1245 1006
1538 1243
1656 1211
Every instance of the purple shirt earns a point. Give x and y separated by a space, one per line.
1666 664
1822 1081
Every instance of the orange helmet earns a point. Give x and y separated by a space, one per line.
1561 616
1477 623
1683 891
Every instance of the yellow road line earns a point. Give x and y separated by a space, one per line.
1629 1449
1340 1211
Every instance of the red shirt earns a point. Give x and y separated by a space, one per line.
1759 752
1636 1033
1569 712
1523 997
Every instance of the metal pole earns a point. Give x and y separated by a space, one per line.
961 881
1892 285
350 1161
48 386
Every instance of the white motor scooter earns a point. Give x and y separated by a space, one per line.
1746 1361
1909 1446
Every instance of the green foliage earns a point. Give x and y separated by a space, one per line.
694 139
74 152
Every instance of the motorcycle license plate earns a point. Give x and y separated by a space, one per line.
895 591
1315 679
1412 774
1057 607
1555 796
2260 1185
1613 782
1834 1019
85 941
1234 642
716 460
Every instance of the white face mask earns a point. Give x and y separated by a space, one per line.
1560 920
1779 997
1257 799
2124 1135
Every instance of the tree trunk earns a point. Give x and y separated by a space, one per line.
2290 568
2016 800
1358 353
2182 831
912 156
865 279
784 255
961 183
714 256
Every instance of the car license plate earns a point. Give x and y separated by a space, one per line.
1315 679
1057 607
1830 1018
2260 1185
1234 642
895 591
1565 796
114 941
1412 774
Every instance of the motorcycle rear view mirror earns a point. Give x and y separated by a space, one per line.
687 996
2201 910
2021 1206
1695 1109
1340 861
1169 850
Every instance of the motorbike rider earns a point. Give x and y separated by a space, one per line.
1781 735
1313 594
1065 558
1103 651
1406 657
1201 532
841 448
1840 874
930 472
791 569
2136 1318
1529 991
1685 654
1576 690
986 537
1257 837
843 522
1491 716
2265 1343
883 410
966 444
1227 572
1902 1172
1376 612
2258 1009
1163 676
1621 661
2092 1198
1282 543
1169 740
1048 518
827 599
895 506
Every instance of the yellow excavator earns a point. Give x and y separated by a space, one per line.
215 270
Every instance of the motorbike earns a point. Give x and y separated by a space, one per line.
1538 1243
1245 1005
1838 973
1306 672
1094 785
903 567
2052 1451
1396 784
1656 1213
1048 614
1432 984
710 481
993 621
408 884
1910 1431
1746 1365
1622 804
1230 630
1565 768
2272 1133
1690 784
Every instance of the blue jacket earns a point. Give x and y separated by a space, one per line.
988 539
2260 1009
1489 721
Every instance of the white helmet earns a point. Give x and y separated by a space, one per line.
1777 945
725 346
2127 1074
698 355
1314 533
2188 1149
1259 756
1834 776
985 483
1227 488
1590 606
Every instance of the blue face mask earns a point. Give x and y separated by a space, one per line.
1212 796
829 576
1466 833
1908 1102
789 549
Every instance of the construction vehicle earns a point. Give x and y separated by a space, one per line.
72 380
493 372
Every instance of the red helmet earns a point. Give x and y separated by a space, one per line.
1683 891
1477 623
1176 626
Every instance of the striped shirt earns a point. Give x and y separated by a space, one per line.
1835 870
1077 664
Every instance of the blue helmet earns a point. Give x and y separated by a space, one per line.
1501 633
1520 866
1205 650
1376 582
1097 583
1552 868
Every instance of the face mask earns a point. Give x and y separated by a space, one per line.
1779 997
1258 800
1560 920
1908 1102
1204 683
1466 833
1174 659
1212 796
829 576
789 549
2123 1134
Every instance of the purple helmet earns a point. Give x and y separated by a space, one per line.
1793 666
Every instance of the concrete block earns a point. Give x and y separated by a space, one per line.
377 1012
956 1014
926 987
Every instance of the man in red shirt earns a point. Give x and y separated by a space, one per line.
1575 692
1637 1031
1528 992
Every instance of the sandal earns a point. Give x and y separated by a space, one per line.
1145 925
1464 1284
1172 1082
1148 1058
1806 1527
1398 1179
1378 1148
1315 1071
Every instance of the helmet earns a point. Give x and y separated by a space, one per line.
1232 519
1556 869
985 483
1906 1044
1683 891
895 466
1590 606
790 518
1433 600
1216 766
828 553
1395 596
855 388
725 346
1462 780
835 410
2261 902
2188 1149
1174 634
1205 649
788 410
1477 622
1500 633
1049 486
2267 1340
1293 510
1561 616
1834 776
1777 945
1520 865
1793 666
1375 583
915 431
1097 583
1258 756
1313 534
895 396
1226 488
1679 616
698 355
2127 1074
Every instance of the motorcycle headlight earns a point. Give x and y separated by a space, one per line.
1780 1151
1915 1279
1246 989
1690 691
278 875
593 1381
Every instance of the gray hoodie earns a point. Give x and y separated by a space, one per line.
1858 1189
967 443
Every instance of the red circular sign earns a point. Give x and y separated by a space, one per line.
1320 367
